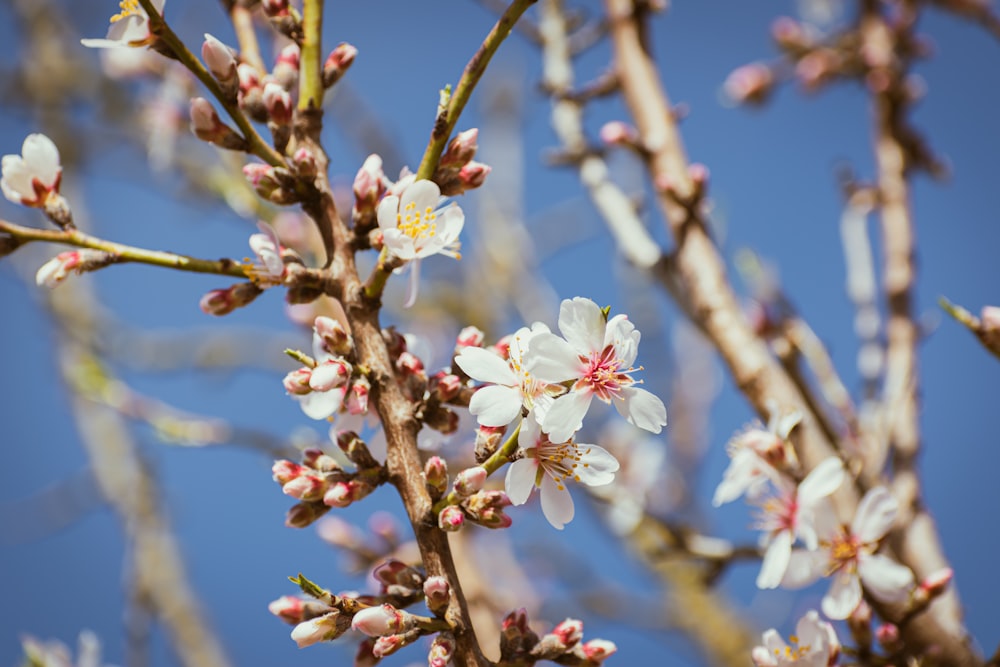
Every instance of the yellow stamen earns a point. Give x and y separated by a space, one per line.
128 8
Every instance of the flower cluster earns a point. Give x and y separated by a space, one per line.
793 511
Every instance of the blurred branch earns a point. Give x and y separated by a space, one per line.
986 332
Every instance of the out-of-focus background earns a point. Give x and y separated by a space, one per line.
774 188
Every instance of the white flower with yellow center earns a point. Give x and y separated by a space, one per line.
129 27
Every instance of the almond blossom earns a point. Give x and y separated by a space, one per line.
511 385
753 455
848 554
549 465
269 268
414 228
791 514
595 355
129 27
32 177
320 390
814 644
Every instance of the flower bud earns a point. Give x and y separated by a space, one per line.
461 149
304 161
286 67
937 582
322 628
339 495
330 375
389 644
469 481
288 608
278 103
446 386
990 317
488 439
369 185
502 347
334 335
597 650
263 178
409 364
356 450
357 396
206 125
437 592
441 651
749 84
307 488
251 95
789 33
338 62
569 632
493 518
275 8
224 301
887 635
470 177
469 337
436 475
296 382
57 269
618 133
451 518
304 514
284 471
382 620
221 61
396 573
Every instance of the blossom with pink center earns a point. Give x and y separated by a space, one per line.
550 465
129 27
753 454
327 382
511 386
848 554
33 176
269 268
814 644
596 356
790 514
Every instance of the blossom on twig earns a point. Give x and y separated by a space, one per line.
129 27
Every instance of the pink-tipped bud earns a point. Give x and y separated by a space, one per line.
461 149
990 317
389 644
286 67
357 396
288 608
262 177
472 176
815 68
469 337
302 515
488 438
887 636
470 480
284 471
296 383
334 335
493 518
319 629
749 84
618 133
438 593
330 375
515 622
381 621
308 488
436 474
338 62
442 650
304 161
936 582
446 386
221 61
597 650
569 632
339 495
275 8
789 33
409 364
57 269
278 103
224 301
206 125
369 185
451 518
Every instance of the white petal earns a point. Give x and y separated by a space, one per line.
485 366
43 157
520 480
530 433
642 409
582 324
621 334
843 597
495 405
776 558
773 642
597 466
876 512
741 472
565 416
387 212
451 220
423 194
551 359
413 284
557 504
804 567
321 404
399 244
822 481
814 633
885 578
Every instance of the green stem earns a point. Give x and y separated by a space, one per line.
445 123
499 458
158 26
375 284
124 253
310 65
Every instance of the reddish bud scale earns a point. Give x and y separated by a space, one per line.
436 474
569 632
304 514
451 518
446 386
288 608
338 62
296 382
469 337
284 471
306 488
469 481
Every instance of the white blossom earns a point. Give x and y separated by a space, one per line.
30 178
129 27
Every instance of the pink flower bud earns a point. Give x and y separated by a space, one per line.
217 302
569 632
296 382
469 481
442 650
262 177
338 62
493 519
284 471
436 474
488 438
460 150
304 161
357 396
788 32
288 608
275 8
289 57
278 103
616 133
57 269
204 119
302 515
369 184
990 316
330 375
447 386
451 518
339 495
334 335
750 83
502 347
473 175
322 628
390 572
305 487
438 592
887 635
389 644
469 337
410 364
382 620
937 581
516 621
221 59
597 650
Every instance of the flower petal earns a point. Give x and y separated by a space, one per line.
423 194
565 416
597 466
804 567
322 404
822 481
642 408
551 359
387 213
495 405
582 324
520 480
843 597
485 366
876 513
557 503
885 578
776 558
622 335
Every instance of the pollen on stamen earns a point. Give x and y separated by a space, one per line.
128 8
